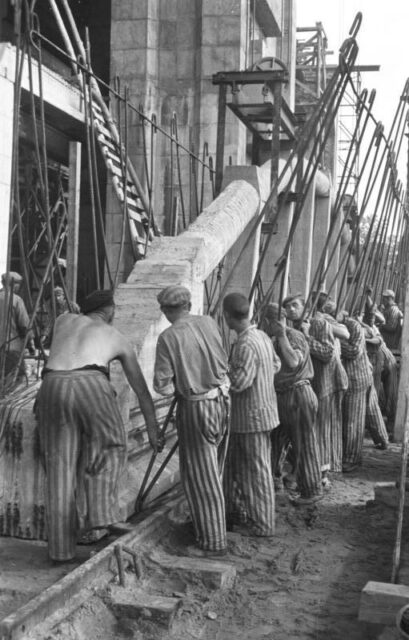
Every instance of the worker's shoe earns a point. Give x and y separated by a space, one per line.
381 445
290 483
347 467
197 552
325 481
120 527
250 532
301 501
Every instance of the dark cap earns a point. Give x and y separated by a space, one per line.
11 276
237 305
388 293
97 300
272 310
291 297
174 296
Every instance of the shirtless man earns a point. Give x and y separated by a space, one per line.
82 436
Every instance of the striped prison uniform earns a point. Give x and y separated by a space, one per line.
203 437
297 407
329 383
248 479
83 444
360 379
192 363
390 385
374 421
391 330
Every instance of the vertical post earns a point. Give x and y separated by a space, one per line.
221 127
275 149
74 183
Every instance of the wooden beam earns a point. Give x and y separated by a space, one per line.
74 184
399 427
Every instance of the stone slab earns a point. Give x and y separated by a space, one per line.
158 609
215 574
381 601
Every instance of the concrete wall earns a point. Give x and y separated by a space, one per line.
166 52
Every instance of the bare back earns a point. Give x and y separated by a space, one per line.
79 341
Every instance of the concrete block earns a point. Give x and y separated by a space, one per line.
129 34
223 31
215 574
186 8
153 34
167 66
185 32
218 7
168 9
157 609
219 58
131 10
167 34
381 601
125 62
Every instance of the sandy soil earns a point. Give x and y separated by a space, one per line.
305 583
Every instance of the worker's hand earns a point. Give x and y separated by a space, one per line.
160 443
305 327
154 438
277 328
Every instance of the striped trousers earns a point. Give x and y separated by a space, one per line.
83 444
248 481
353 425
329 431
390 385
203 437
297 409
374 421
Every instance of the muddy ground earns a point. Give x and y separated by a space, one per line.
305 583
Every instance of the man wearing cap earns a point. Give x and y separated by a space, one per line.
297 403
249 487
392 328
82 436
329 382
192 364
14 323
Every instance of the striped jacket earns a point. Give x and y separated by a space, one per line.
355 358
392 329
329 374
253 364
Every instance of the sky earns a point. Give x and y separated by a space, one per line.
383 39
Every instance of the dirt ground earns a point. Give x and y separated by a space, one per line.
305 583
